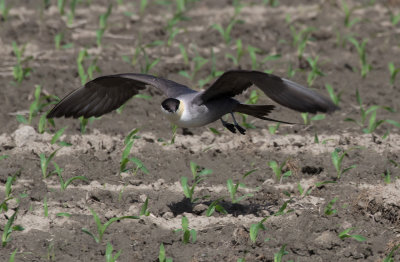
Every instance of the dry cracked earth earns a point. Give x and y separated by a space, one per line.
307 211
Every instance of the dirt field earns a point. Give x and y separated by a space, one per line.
320 206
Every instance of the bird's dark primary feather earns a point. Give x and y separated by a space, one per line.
282 91
107 93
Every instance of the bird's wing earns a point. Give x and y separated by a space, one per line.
282 91
106 93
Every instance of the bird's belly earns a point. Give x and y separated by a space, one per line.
193 121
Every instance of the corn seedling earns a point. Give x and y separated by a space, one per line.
64 184
61 6
329 207
45 207
278 256
348 22
233 188
7 193
102 25
187 233
214 72
226 32
239 53
144 211
109 253
389 257
256 228
101 228
253 56
345 234
278 170
394 19
143 5
4 10
196 64
57 136
387 176
149 64
71 14
9 228
273 128
300 39
393 72
12 257
362 54
334 97
20 71
197 178
45 161
215 206
315 71
82 59
291 71
184 54
271 3
337 162
125 159
162 256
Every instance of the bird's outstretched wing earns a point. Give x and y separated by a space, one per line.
282 91
106 93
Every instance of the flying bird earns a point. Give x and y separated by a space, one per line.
186 107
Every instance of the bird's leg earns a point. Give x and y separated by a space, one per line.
239 128
229 126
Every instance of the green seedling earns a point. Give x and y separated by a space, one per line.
184 54
291 71
109 253
57 136
125 159
101 228
57 40
215 206
64 184
12 257
187 233
278 170
197 178
337 162
300 39
387 176
162 256
196 64
9 228
334 97
329 207
239 53
278 256
7 193
45 161
71 14
20 70
61 6
149 64
83 123
393 72
362 54
307 119
214 72
273 128
102 25
82 59
394 19
4 10
282 210
226 32
389 257
253 56
348 22
143 5
144 211
271 3
256 228
233 188
345 234
45 207
315 71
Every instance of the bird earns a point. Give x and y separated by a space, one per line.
188 108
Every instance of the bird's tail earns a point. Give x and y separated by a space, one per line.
259 111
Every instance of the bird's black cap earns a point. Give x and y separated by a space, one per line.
170 105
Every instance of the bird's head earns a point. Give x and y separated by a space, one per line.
172 106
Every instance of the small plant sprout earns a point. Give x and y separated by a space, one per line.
278 256
57 136
4 10
337 162
315 71
162 257
389 257
348 22
12 257
362 53
345 234
45 207
45 161
255 229
9 228
271 3
253 56
300 39
278 169
196 64
329 210
71 14
7 193
125 158
187 233
64 184
61 6
144 211
226 32
239 53
101 228
143 5
394 19
233 188
334 97
197 178
273 128
102 25
387 176
109 253
393 72
83 59
215 206
20 70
